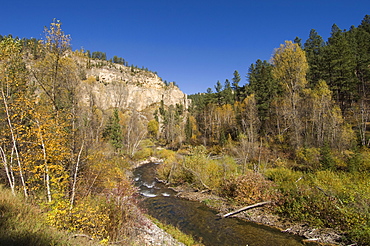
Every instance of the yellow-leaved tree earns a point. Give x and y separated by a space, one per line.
248 138
290 68
13 110
56 74
34 139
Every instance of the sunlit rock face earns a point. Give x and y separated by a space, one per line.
108 85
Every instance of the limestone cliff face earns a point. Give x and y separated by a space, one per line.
110 85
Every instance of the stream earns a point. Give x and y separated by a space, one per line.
200 221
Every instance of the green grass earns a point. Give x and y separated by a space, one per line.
24 224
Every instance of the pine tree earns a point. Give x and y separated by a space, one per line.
235 85
227 93
361 109
298 41
113 130
218 88
365 23
341 66
263 86
314 48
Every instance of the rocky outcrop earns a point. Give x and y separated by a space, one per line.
109 85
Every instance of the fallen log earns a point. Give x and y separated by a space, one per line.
245 208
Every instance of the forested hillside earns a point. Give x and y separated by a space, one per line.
297 95
297 133
72 125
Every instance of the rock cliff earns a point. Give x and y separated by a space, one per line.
108 85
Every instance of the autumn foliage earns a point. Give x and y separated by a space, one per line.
45 151
296 133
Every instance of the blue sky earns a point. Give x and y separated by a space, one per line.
195 42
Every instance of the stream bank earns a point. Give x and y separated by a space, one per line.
200 221
262 215
149 234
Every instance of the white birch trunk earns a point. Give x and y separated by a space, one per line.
8 170
75 177
14 144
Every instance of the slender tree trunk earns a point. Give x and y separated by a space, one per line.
8 170
14 144
75 176
11 168
48 189
364 119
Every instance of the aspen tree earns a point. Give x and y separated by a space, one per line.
48 71
290 68
48 155
135 132
13 96
57 75
250 123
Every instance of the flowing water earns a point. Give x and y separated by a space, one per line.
201 222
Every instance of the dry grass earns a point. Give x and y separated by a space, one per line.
24 224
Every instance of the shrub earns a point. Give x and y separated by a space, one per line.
143 153
24 224
326 198
165 154
359 161
85 217
105 217
250 188
309 158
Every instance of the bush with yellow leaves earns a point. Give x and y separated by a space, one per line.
250 188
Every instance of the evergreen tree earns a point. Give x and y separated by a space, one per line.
210 97
218 87
361 42
227 93
298 41
341 66
115 59
113 130
365 23
262 84
235 85
314 48
99 55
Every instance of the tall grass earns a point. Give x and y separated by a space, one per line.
197 169
339 200
23 224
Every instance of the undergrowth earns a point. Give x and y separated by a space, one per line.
24 224
337 197
338 200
